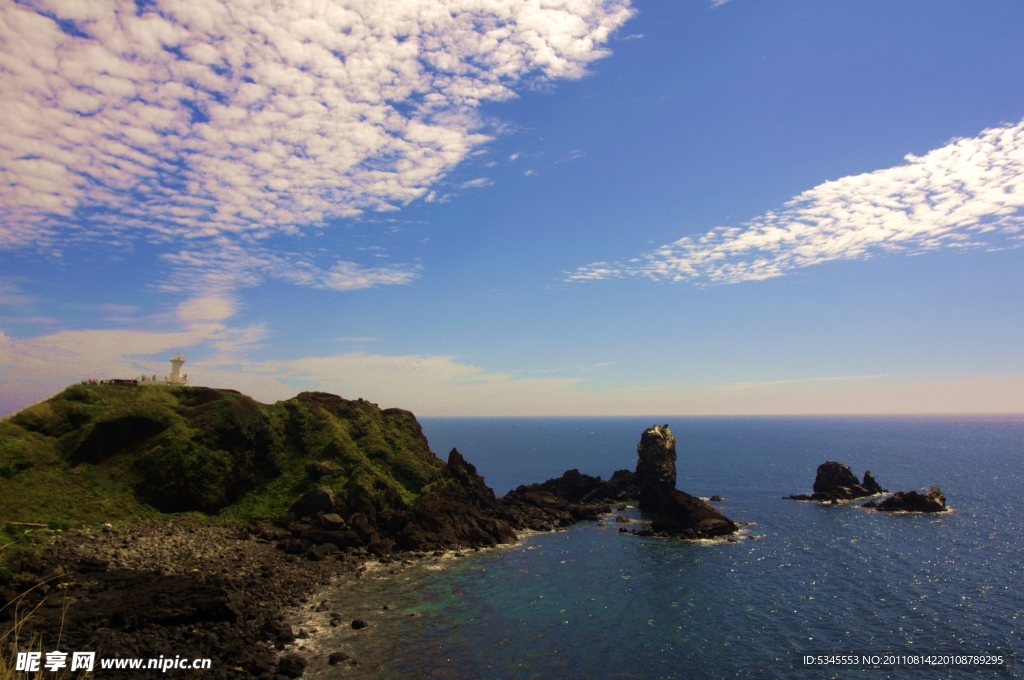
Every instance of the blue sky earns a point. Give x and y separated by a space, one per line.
583 207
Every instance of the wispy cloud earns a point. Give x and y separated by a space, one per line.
573 155
219 355
967 194
477 183
226 265
11 295
203 118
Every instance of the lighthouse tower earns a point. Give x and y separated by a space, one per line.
176 378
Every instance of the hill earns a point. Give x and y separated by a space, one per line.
110 453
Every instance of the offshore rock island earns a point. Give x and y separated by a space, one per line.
167 520
912 501
835 482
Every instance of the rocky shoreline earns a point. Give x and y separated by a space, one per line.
184 588
366 495
197 589
189 588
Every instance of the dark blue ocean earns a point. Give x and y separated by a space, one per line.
811 580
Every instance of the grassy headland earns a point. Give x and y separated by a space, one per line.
105 453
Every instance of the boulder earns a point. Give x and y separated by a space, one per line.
656 466
331 522
281 633
291 666
687 516
363 527
912 501
322 469
312 502
337 657
381 547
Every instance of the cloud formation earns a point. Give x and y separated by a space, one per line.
219 356
225 264
967 194
203 119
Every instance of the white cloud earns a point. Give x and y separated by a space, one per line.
219 356
224 265
213 119
48 362
222 355
573 155
967 194
207 309
477 183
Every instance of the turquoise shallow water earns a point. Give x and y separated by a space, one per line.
591 602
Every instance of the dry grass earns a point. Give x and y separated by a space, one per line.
12 636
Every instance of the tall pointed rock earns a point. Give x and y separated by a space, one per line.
656 467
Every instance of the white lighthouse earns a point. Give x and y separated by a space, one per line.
176 378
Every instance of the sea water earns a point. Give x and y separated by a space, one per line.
805 580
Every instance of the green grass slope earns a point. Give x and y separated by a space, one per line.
106 453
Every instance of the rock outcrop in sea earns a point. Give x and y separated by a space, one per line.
912 501
836 482
656 466
687 516
575 496
565 500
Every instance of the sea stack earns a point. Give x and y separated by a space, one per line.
656 467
